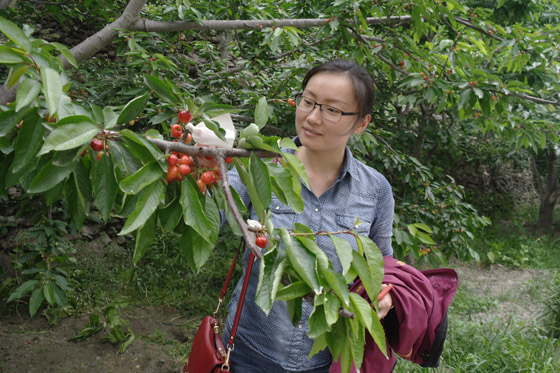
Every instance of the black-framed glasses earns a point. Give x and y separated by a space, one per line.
328 112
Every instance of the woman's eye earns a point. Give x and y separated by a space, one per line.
307 102
332 110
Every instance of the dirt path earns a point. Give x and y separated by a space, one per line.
35 346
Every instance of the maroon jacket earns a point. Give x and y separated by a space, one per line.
421 299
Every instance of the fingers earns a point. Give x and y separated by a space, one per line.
386 301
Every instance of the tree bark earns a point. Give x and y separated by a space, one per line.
5 4
549 193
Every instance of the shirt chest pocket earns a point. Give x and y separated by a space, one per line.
348 222
282 215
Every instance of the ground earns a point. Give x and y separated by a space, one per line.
32 345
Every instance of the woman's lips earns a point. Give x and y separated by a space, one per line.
310 132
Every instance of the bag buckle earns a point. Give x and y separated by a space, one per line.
225 365
220 300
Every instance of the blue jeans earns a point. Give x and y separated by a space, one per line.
245 360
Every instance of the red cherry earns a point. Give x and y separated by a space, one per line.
185 159
96 144
261 241
99 155
172 160
188 138
184 116
201 186
176 130
208 177
172 172
229 160
291 102
184 169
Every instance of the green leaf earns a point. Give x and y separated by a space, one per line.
16 74
193 211
140 147
14 33
270 274
344 251
161 88
59 295
105 186
332 306
35 301
48 292
142 178
319 344
146 205
261 112
52 88
23 289
62 282
261 179
66 53
144 237
10 56
8 120
374 261
69 136
133 108
49 176
302 261
369 318
317 322
295 165
360 264
170 215
294 290
337 338
77 191
27 92
195 248
254 194
29 140
322 259
337 284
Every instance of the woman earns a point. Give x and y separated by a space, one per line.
336 102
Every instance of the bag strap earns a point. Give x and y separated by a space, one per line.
226 283
241 300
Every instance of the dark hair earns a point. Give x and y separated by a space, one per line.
361 81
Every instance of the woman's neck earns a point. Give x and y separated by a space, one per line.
322 168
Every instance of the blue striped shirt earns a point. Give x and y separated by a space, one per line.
359 191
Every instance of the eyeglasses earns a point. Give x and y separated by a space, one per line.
328 112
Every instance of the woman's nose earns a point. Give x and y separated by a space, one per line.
315 114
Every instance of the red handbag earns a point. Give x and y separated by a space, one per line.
208 353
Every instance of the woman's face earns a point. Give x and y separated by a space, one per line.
318 134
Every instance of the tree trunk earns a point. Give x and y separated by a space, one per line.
549 193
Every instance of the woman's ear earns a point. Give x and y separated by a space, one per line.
362 125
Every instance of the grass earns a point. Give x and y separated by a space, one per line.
496 343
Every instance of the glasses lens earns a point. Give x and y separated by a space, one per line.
304 103
331 114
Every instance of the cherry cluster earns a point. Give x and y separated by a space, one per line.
204 169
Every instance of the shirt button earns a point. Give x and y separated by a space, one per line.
277 207
316 210
300 326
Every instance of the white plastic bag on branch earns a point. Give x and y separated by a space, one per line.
202 135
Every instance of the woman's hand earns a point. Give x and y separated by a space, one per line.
385 304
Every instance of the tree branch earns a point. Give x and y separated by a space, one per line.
222 25
231 203
5 4
105 36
